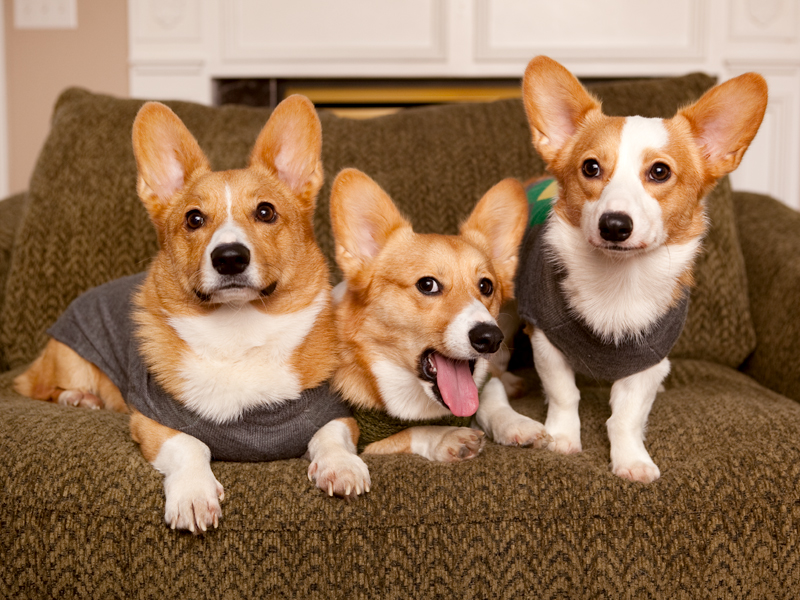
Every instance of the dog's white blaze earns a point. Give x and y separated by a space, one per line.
618 297
456 336
625 191
227 233
240 357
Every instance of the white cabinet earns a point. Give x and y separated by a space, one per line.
178 48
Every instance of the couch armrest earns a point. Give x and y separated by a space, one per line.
769 233
11 212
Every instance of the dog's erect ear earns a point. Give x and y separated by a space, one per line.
726 119
363 218
167 155
496 225
290 145
555 103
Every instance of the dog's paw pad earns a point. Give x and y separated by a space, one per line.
461 443
79 399
341 474
643 472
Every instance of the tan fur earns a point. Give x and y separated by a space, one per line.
58 369
149 434
382 315
399 443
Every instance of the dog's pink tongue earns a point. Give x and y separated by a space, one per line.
456 385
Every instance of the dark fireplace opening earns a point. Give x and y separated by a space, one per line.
364 98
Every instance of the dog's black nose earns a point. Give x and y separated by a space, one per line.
615 226
486 338
230 259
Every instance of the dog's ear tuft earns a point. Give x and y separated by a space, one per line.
555 102
496 225
363 217
167 155
290 145
726 119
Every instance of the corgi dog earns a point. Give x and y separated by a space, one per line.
603 285
223 348
417 319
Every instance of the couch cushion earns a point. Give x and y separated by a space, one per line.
82 512
86 226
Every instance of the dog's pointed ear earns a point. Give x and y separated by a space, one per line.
496 225
555 102
167 156
290 145
363 217
726 119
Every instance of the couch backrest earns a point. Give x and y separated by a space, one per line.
85 224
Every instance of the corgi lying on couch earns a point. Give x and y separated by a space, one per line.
224 347
417 317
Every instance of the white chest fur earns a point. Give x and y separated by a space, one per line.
240 357
618 297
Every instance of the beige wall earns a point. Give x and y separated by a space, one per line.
41 63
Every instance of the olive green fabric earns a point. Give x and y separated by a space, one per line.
770 234
376 425
82 512
11 212
86 226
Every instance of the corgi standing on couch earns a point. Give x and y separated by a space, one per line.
417 317
604 282
224 347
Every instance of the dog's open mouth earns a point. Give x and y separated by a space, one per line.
452 382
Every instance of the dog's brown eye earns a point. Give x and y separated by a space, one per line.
265 212
195 219
660 172
486 287
429 286
591 168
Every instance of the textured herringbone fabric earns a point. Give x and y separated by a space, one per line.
771 247
85 225
82 512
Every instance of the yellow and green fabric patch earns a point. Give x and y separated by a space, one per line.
541 194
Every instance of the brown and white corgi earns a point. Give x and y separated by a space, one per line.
224 347
417 318
604 283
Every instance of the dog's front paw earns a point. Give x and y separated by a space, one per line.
564 444
193 502
340 474
79 399
643 471
460 443
518 430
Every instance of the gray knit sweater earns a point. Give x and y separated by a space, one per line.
98 326
542 303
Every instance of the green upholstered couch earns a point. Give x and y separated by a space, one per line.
81 512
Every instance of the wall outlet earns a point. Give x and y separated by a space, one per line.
46 14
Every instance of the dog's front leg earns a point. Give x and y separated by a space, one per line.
442 444
335 466
558 380
505 425
631 401
193 494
